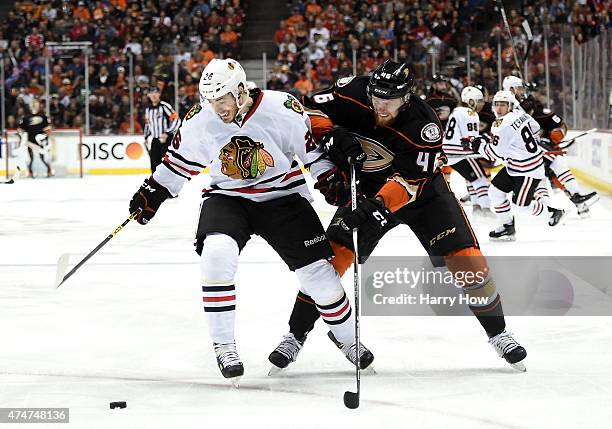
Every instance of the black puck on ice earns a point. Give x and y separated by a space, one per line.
119 404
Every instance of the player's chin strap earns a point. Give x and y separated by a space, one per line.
351 399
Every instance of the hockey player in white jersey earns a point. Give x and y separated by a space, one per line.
249 141
515 142
552 132
463 124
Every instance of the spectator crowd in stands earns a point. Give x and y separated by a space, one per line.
153 32
319 42
320 39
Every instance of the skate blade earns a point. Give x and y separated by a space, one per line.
274 370
235 382
519 366
504 238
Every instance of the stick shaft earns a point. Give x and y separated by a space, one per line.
356 278
98 247
500 4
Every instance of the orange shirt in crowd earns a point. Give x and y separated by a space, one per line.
82 13
207 56
303 85
294 20
120 4
313 9
228 37
98 13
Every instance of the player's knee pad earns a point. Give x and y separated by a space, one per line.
219 260
320 281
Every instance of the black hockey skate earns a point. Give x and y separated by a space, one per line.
509 349
365 358
229 362
555 216
506 232
285 353
584 201
466 200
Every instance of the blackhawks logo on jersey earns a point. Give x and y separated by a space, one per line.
193 111
243 158
294 105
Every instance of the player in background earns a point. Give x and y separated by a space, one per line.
249 140
464 123
515 141
33 129
553 130
395 140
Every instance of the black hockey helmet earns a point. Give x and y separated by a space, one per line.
391 80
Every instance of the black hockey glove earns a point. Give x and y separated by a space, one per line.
149 197
368 210
334 185
473 143
342 148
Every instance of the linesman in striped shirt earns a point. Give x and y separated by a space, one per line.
161 121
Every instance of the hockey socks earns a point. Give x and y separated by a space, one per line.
303 316
490 313
220 308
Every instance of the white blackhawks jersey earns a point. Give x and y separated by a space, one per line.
462 123
515 142
254 160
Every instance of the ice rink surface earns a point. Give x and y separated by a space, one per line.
129 326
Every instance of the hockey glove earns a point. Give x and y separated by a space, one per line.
473 144
149 197
334 185
369 210
343 148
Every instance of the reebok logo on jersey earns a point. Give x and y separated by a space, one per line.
431 133
315 240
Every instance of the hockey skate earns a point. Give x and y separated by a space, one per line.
507 348
229 362
466 200
583 202
506 232
555 216
285 353
350 351
484 212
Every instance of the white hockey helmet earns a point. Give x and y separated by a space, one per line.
471 93
222 77
512 82
504 96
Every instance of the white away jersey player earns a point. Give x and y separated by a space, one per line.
253 160
515 142
462 123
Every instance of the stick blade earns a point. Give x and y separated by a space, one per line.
62 268
351 400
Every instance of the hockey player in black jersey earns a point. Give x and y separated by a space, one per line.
34 130
396 140
553 130
441 98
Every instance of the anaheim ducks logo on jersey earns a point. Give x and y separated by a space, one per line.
36 120
379 157
243 158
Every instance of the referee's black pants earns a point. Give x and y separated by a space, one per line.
157 152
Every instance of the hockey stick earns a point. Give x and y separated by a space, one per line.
529 34
500 5
62 263
351 399
567 143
